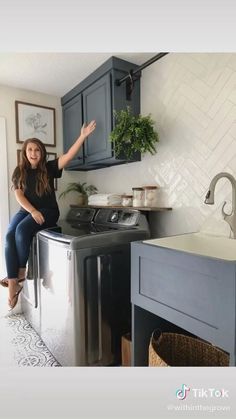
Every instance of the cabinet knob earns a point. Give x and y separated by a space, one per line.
79 158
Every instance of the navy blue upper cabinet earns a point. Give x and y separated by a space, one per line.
97 105
97 97
72 122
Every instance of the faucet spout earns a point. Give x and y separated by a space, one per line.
210 196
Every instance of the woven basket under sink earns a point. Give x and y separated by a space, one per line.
177 350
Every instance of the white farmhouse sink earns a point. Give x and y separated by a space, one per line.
199 244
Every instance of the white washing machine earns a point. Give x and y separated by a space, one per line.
84 284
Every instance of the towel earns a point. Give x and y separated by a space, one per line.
104 199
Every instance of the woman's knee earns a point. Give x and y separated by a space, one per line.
10 236
22 234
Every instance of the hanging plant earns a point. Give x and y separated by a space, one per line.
133 133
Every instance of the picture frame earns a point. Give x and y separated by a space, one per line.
35 121
18 157
50 156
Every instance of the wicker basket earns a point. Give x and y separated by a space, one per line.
176 350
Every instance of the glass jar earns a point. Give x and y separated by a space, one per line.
150 196
127 200
138 197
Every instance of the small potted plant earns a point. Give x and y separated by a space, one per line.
82 189
133 133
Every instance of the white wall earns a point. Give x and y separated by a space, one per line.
4 207
192 98
8 95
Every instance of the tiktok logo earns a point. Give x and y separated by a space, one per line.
181 393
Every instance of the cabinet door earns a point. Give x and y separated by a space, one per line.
97 105
72 123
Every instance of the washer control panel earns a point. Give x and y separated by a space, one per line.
119 217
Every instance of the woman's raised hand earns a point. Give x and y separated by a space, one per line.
86 130
65 158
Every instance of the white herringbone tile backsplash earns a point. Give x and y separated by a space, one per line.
192 98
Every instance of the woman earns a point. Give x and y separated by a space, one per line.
33 183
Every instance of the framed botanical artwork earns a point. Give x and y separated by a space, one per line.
50 156
35 121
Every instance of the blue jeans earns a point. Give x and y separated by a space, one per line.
19 236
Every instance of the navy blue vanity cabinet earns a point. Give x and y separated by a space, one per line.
72 122
172 289
96 97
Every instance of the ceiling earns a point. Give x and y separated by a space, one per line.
55 73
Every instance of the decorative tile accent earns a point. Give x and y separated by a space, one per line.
192 99
26 346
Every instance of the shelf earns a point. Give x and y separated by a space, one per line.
149 209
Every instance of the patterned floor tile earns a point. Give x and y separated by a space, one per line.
24 344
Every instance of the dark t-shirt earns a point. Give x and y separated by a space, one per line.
48 199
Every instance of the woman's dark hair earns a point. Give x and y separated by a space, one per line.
20 172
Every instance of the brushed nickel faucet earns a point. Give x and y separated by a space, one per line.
209 199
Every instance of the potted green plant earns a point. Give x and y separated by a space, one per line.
133 133
82 189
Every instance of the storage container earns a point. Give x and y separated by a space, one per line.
138 197
127 200
126 350
150 196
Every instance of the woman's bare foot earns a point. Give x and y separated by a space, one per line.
14 289
21 277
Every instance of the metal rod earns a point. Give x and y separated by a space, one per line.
141 67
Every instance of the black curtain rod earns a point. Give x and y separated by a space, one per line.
141 67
